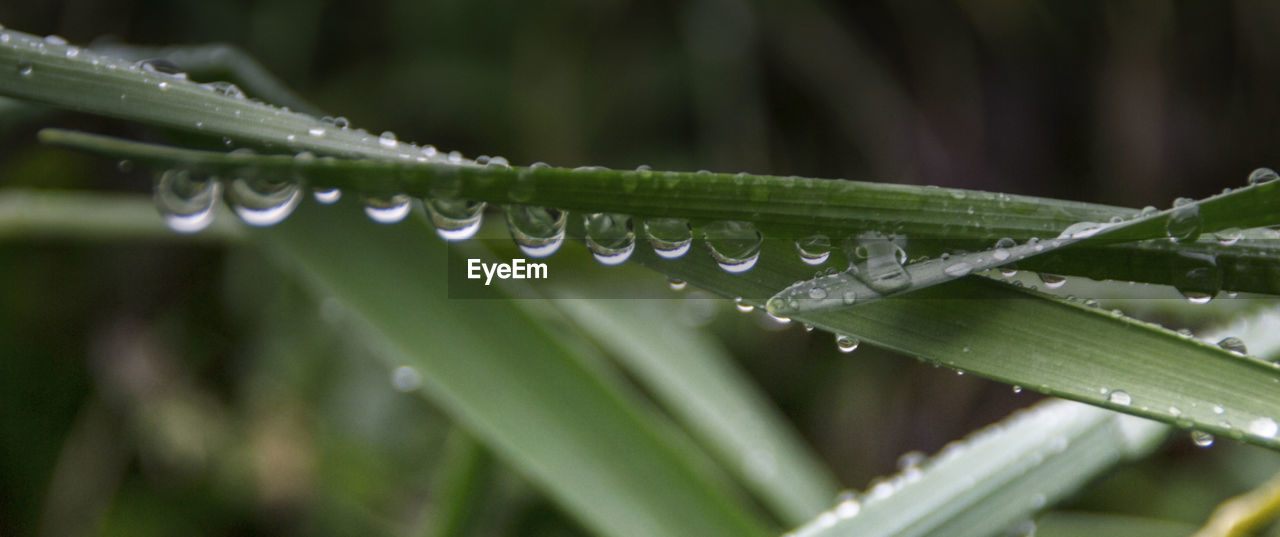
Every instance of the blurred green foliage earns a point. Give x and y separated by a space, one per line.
155 389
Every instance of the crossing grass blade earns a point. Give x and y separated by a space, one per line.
1245 264
583 438
997 477
692 376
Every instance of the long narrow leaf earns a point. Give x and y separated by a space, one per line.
588 443
995 478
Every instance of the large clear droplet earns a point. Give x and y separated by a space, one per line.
879 264
262 202
539 231
609 237
161 66
1185 223
814 249
1198 278
186 201
1262 175
1201 439
387 139
1052 281
406 378
327 196
1264 427
1080 230
1233 344
226 88
455 219
734 244
669 237
1119 397
387 210
846 343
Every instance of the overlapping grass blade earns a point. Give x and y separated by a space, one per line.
695 379
996 478
536 401
1247 265
1022 337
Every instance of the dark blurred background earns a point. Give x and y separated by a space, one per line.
152 389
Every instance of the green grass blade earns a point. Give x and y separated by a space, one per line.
45 214
1246 206
576 433
1246 266
218 61
695 379
1021 337
465 475
996 478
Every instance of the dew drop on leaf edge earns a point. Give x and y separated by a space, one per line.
186 202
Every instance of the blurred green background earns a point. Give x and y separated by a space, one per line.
152 389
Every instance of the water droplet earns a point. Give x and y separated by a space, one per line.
25 69
1201 282
1262 175
1080 230
958 269
1264 427
670 237
1052 281
1185 223
1233 344
609 237
406 379
55 40
455 219
387 139
539 231
1201 439
814 249
327 196
1228 236
160 66
1119 397
848 507
734 244
387 210
846 344
742 306
676 285
124 165
262 202
226 88
185 201
911 459
341 123
1017 388
1217 409
879 264
316 131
